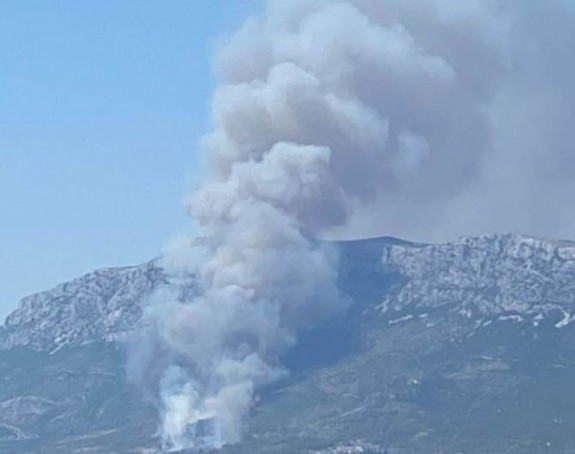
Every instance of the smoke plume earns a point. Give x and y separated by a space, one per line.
419 118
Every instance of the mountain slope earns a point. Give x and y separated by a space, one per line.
466 346
102 306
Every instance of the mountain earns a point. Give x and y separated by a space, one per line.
461 347
100 307
62 382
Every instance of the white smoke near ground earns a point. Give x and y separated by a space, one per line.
419 118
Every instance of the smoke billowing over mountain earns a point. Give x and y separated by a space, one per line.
420 118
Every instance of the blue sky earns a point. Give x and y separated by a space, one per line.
101 106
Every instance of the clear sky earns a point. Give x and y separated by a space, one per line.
101 106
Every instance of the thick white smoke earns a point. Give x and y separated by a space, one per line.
420 118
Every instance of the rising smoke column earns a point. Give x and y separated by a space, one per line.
332 116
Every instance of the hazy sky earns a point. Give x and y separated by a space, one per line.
101 104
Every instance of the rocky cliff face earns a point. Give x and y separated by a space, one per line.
466 346
102 306
476 277
486 276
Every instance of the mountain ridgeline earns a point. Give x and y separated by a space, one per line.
462 347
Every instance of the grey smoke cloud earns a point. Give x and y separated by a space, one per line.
419 118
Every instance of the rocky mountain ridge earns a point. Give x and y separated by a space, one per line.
487 276
475 276
466 346
102 306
